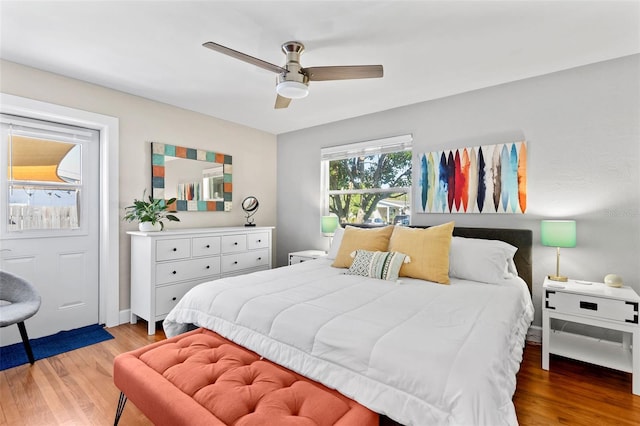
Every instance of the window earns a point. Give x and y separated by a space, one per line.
368 182
43 171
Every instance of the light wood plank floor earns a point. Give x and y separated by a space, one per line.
76 388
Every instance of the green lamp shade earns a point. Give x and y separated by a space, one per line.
329 225
558 233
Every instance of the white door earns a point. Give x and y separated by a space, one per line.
49 220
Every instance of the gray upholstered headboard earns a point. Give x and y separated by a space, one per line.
520 238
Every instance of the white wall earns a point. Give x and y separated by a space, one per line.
143 121
583 132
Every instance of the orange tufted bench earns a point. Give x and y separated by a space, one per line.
201 378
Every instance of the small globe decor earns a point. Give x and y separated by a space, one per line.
250 206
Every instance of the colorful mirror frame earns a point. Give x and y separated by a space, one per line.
159 154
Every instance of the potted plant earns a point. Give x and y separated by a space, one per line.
150 213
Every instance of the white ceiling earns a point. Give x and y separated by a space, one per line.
429 49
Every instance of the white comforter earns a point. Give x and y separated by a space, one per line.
420 353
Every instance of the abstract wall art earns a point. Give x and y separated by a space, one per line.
479 179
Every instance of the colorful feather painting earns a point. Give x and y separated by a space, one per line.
480 179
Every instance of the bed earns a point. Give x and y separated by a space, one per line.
416 351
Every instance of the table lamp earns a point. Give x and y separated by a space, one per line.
558 233
329 224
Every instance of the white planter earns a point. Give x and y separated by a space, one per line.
149 227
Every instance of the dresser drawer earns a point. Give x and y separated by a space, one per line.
236 262
258 240
168 296
186 270
173 249
234 243
205 246
597 307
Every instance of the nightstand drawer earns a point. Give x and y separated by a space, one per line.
597 307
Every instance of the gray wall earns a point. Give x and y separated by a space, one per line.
583 131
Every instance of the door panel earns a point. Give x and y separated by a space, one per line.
62 261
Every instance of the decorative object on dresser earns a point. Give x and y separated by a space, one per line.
199 180
596 305
150 213
305 255
250 206
164 266
558 233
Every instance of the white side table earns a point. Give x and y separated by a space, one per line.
303 256
597 305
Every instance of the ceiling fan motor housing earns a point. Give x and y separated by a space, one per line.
294 83
293 50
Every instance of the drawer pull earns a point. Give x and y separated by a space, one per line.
174 272
175 249
259 241
259 258
174 298
207 246
207 267
589 305
235 244
235 263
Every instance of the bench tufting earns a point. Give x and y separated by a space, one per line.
201 378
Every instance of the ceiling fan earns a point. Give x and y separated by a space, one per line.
293 80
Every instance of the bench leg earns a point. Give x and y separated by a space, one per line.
120 409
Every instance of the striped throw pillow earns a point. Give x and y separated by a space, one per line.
377 264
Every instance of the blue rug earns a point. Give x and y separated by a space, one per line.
44 347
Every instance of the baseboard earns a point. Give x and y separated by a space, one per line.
534 334
124 316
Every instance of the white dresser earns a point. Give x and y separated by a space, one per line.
165 265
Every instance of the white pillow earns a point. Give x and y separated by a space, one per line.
487 261
335 243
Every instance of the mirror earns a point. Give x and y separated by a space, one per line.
199 180
250 206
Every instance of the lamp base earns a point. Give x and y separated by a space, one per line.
558 278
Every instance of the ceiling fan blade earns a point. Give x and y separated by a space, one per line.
282 102
244 57
343 72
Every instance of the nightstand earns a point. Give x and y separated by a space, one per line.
303 256
597 305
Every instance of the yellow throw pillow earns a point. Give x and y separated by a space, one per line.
428 249
372 239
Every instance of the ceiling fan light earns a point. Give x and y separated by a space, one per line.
292 89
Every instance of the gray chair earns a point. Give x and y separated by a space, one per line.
24 302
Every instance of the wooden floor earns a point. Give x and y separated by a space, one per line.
76 388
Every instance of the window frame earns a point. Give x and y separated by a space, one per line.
387 145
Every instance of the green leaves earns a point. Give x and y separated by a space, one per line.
152 211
